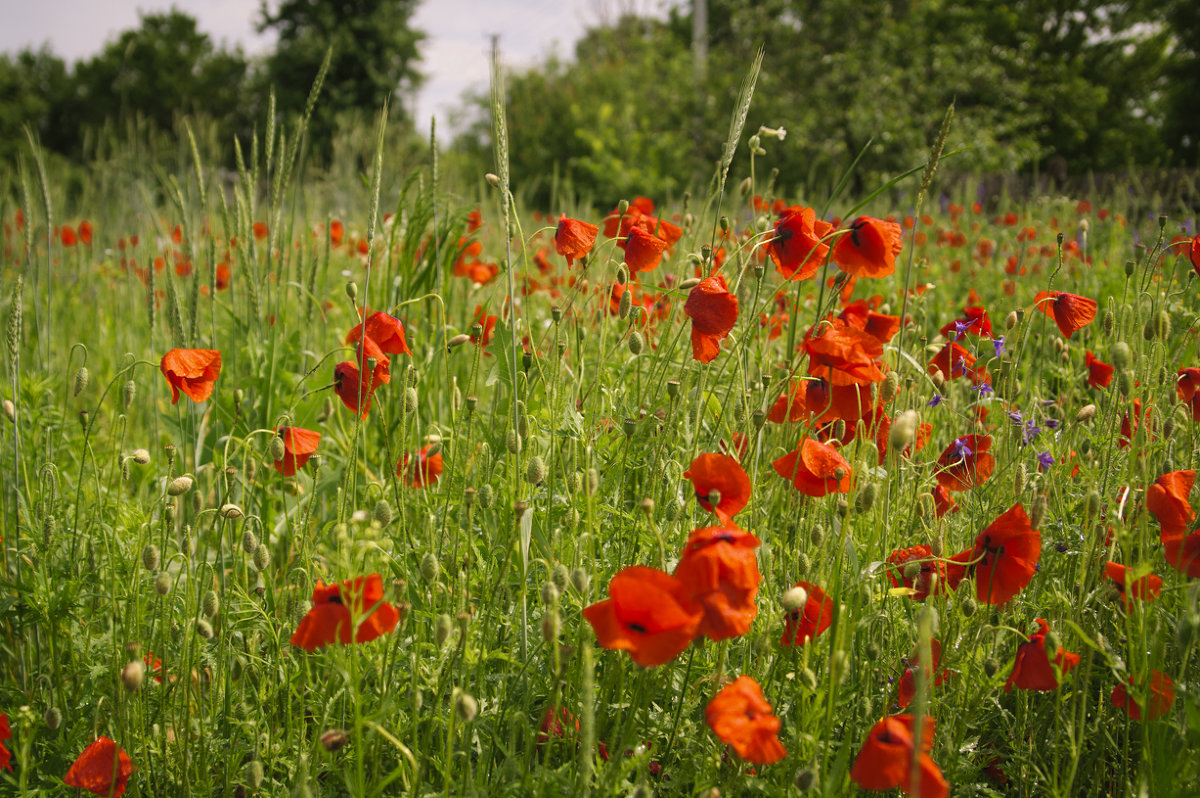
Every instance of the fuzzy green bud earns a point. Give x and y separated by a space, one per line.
261 557
411 400
580 580
442 628
560 577
276 448
1108 322
968 607
132 675
625 304
1125 382
253 774
1085 414
535 472
865 499
512 441
210 604
430 567
81 380
465 706
382 512
1122 355
162 583
487 496
204 629
890 386
179 486
249 541
803 564
150 557
808 679
636 343
52 718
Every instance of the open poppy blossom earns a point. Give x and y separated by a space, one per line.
336 609
815 469
1187 388
966 463
67 235
1032 669
661 228
426 471
975 321
943 502
352 388
370 356
821 401
385 330
192 371
298 445
796 247
1194 254
648 613
719 570
930 578
1100 374
713 311
556 724
954 362
886 759
908 682
844 355
1070 312
573 238
1004 558
1167 499
5 734
802 624
643 251
869 247
1146 588
740 716
85 232
102 769
488 323
1161 692
725 475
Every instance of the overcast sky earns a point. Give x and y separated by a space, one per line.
455 51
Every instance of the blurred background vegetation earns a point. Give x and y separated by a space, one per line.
642 105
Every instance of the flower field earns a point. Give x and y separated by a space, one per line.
402 487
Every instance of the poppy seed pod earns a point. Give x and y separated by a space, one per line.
261 557
81 380
352 291
150 557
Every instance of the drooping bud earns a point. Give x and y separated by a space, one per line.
487 496
1122 355
204 628
1038 512
430 567
162 583
150 557
132 675
232 511
442 627
179 486
81 380
465 706
890 386
636 343
1085 414
383 512
261 557
580 580
334 739
249 541
535 472
210 604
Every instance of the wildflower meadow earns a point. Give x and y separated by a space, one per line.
396 484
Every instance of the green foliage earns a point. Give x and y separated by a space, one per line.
34 87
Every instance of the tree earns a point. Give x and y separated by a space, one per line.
374 57
33 88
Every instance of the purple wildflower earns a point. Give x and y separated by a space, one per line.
1045 460
961 450
998 346
935 401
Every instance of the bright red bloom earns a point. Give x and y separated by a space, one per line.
954 362
1167 499
426 471
102 769
932 577
886 759
488 323
352 388
648 614
869 248
1005 556
1147 588
260 230
719 570
740 716
861 316
85 232
5 734
1070 312
1194 254
796 247
298 445
1100 374
643 251
385 330
966 463
724 474
1032 669
192 371
713 311
844 355
907 690
556 724
975 321
1161 694
805 623
943 502
336 609
814 469
660 228
1187 388
67 235
573 238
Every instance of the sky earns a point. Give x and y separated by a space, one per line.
455 52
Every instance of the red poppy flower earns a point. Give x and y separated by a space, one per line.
1005 556
1147 588
931 578
643 251
192 371
1187 388
353 389
260 230
713 311
719 570
740 716
817 399
661 228
1167 499
336 609
1194 254
573 238
724 474
67 236
1070 312
861 316
337 232
966 463
426 471
102 769
886 759
488 323
796 246
1032 669
385 330
298 445
648 614
954 362
555 724
85 232
815 469
5 734
844 355
943 502
1100 374
368 351
805 623
1161 694
908 682
975 321
869 247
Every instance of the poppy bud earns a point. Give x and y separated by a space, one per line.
550 593
968 607
261 557
535 472
410 400
150 557
162 583
230 510
803 564
636 343
442 628
204 629
465 706
52 718
1168 428
334 740
352 291
10 411
132 675
991 666
210 605
249 541
1038 512
1125 382
1109 321
865 499
551 626
487 496
383 512
806 779
253 774
890 386
808 679
179 486
580 581
493 179
81 380
430 567
1085 414
1122 355
512 441
625 304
